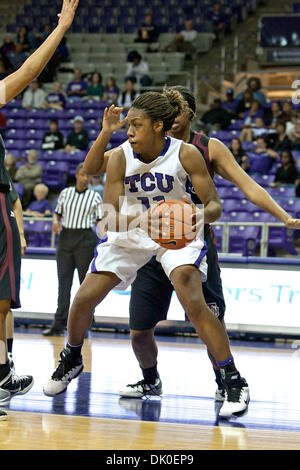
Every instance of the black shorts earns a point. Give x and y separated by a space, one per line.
10 253
152 290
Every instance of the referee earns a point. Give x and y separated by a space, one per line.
77 209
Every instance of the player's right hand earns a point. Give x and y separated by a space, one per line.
67 13
111 119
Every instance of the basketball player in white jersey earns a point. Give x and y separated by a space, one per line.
147 168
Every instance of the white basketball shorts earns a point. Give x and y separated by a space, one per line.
124 262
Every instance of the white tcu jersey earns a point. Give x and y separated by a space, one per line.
146 184
163 179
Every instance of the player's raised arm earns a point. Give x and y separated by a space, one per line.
226 166
95 162
194 165
12 85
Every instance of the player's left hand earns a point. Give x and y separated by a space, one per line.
293 223
23 245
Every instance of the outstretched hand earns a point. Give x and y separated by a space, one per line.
293 223
111 119
67 13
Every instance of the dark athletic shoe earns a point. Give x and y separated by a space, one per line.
13 385
66 371
142 389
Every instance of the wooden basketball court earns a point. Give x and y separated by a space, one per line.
91 415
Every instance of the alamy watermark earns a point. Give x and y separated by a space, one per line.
296 96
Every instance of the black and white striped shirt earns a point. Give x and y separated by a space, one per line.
79 210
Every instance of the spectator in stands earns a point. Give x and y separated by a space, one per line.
244 104
287 173
272 115
23 38
138 69
56 99
62 51
280 141
111 91
254 84
8 45
10 165
3 70
216 118
254 112
78 138
183 41
34 96
46 32
41 207
295 136
250 132
287 111
77 88
29 175
126 98
95 88
262 147
17 57
291 125
230 104
148 32
53 139
2 124
217 17
97 184
239 154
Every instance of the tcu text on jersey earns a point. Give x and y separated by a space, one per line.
150 182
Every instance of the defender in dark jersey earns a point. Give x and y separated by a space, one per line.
10 246
151 291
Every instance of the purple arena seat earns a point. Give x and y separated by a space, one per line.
18 113
260 164
243 239
282 191
222 182
56 155
33 144
73 159
13 144
20 189
15 134
230 192
239 216
37 233
36 134
55 174
218 231
33 123
16 123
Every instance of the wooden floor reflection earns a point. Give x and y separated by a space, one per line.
92 416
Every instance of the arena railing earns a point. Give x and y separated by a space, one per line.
264 237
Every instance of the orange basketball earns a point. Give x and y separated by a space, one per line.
179 217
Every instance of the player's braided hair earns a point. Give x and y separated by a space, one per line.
163 106
187 95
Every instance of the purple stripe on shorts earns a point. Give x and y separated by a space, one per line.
202 254
93 267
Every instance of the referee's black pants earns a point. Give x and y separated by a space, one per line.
75 249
